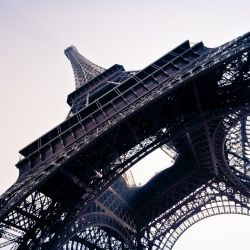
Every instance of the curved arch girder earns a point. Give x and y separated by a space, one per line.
93 220
217 197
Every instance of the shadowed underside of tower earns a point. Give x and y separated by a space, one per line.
74 189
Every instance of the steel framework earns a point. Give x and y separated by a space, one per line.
72 193
84 70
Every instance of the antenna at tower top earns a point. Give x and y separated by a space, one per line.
84 70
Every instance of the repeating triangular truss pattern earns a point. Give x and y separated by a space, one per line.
71 192
84 70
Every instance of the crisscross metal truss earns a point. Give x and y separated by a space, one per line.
36 209
71 193
216 197
84 70
95 237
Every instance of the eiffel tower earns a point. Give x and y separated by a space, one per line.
75 188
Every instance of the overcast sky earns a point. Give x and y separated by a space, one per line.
35 76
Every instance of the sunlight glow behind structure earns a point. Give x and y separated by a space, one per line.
32 62
160 159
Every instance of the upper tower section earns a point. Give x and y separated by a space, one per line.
84 70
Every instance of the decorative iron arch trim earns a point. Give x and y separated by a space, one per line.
216 198
97 219
220 134
210 213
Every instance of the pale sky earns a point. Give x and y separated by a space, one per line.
35 76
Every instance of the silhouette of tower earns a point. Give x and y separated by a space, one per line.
75 189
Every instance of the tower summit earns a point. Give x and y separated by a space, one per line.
84 70
194 103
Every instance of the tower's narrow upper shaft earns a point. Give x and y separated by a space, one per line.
84 70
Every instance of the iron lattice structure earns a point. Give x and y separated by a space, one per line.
72 192
84 70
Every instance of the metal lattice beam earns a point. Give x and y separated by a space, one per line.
71 193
